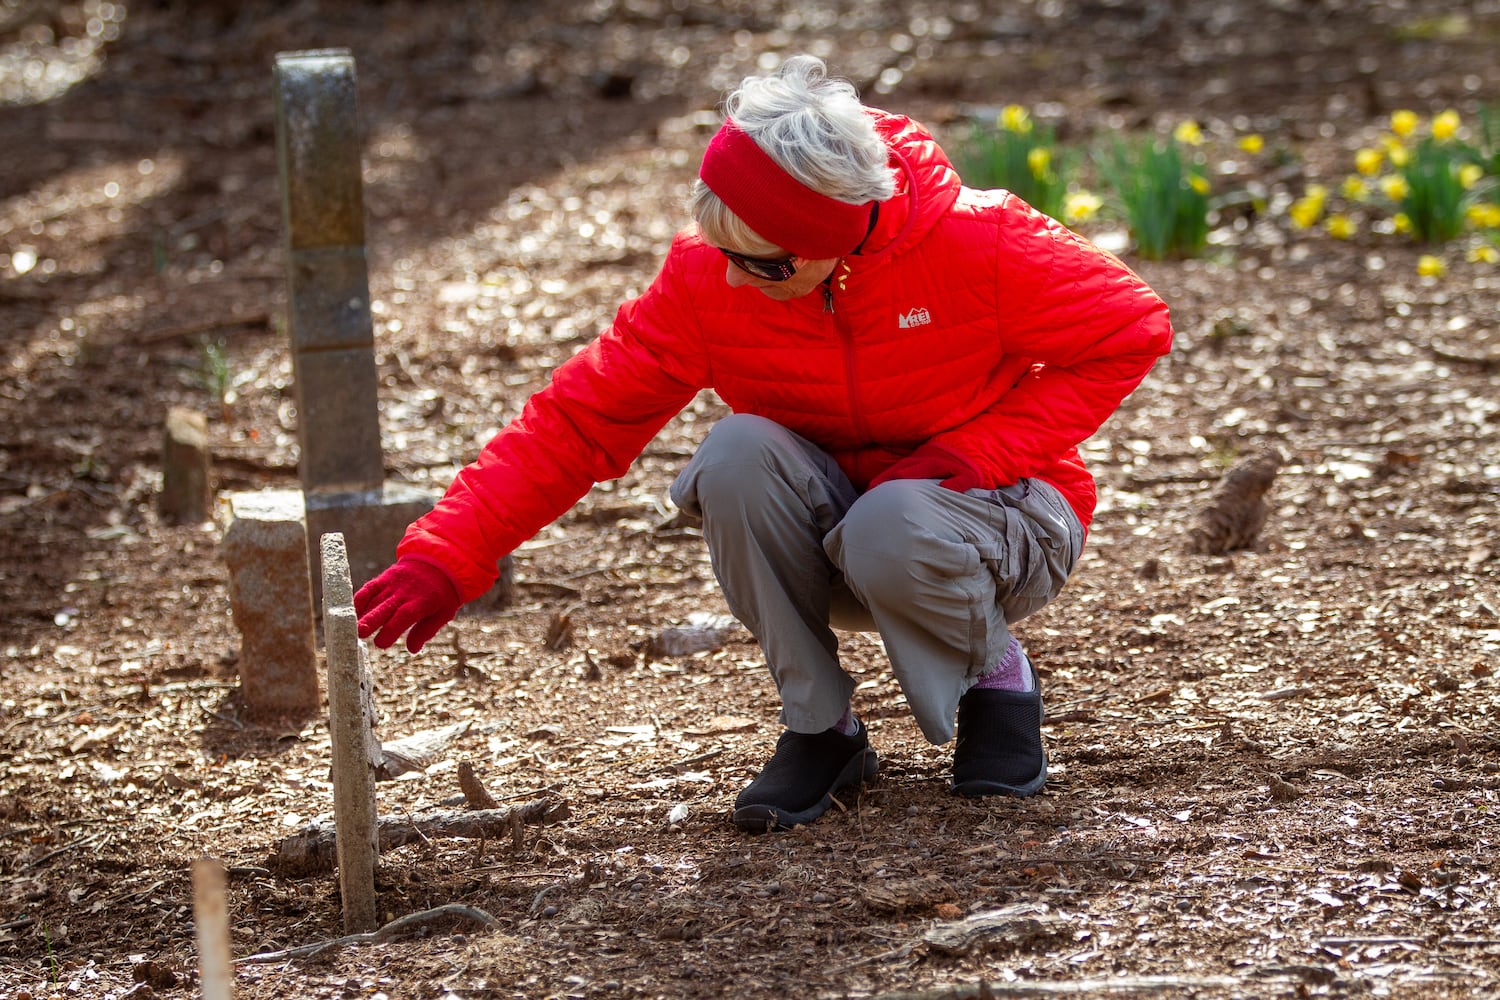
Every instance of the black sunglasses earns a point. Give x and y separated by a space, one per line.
777 269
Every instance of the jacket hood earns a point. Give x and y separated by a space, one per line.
926 186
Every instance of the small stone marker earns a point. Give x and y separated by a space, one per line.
211 929
356 751
270 597
186 497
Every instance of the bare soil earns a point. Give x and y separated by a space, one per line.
1276 768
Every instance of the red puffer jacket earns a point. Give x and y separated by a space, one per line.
970 320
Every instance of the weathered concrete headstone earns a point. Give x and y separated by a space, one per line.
273 590
333 339
270 597
372 522
186 497
356 750
332 334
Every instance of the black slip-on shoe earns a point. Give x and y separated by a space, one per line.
999 750
798 783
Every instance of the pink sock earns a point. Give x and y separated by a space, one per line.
848 724
1012 673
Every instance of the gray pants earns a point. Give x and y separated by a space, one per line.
798 552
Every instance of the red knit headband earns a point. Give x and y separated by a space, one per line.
778 207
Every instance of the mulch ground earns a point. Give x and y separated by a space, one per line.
1275 768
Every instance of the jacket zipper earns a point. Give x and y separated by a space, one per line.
856 414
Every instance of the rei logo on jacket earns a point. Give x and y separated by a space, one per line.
914 317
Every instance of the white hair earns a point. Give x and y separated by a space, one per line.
815 128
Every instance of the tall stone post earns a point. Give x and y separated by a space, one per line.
332 334
323 214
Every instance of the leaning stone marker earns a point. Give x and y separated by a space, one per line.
356 751
270 597
333 339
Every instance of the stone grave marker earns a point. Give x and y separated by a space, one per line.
270 597
329 322
342 469
186 496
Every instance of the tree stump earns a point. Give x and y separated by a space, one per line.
1238 510
186 497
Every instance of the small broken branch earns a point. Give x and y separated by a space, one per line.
81 842
313 848
187 330
1153 986
378 936
475 794
416 752
702 632
1023 923
1490 359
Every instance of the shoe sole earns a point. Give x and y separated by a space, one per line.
977 788
762 818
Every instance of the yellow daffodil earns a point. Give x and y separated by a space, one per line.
1037 161
1356 189
1395 187
1014 118
1396 151
1252 143
1401 222
1445 126
1470 174
1198 183
1485 215
1429 266
1404 122
1484 254
1341 227
1080 206
1307 210
1188 133
1305 213
1367 161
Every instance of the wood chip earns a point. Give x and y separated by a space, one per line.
417 752
1011 924
701 633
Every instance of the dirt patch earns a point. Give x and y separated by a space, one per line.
1275 768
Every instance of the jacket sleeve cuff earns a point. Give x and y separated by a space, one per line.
470 579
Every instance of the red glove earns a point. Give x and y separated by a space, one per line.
411 594
933 461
